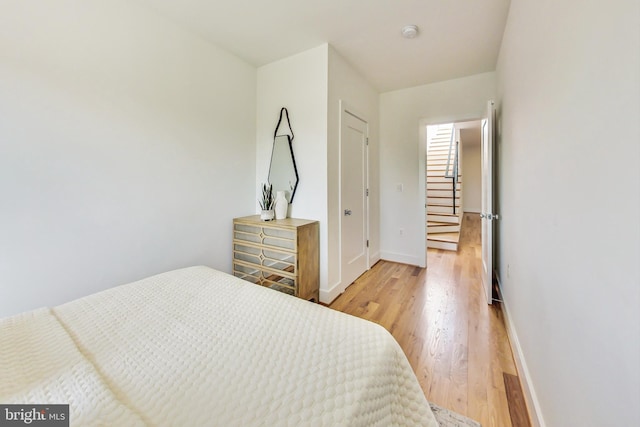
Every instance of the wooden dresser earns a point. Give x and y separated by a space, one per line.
282 254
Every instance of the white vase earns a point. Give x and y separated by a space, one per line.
266 215
281 205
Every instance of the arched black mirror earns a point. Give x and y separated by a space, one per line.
283 173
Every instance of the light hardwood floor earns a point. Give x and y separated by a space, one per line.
456 343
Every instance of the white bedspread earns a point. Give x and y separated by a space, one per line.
199 347
39 364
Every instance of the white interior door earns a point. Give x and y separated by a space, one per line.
487 215
353 198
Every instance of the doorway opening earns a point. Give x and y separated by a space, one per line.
452 180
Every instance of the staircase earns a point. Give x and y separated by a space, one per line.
443 221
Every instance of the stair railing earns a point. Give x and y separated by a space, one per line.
453 166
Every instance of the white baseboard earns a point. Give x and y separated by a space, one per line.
328 295
401 258
533 405
373 258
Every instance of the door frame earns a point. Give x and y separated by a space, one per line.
488 214
345 108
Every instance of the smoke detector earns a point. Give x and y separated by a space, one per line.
410 31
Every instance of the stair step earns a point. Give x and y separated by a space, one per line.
442 167
443 161
441 179
437 210
443 201
437 160
439 173
442 193
442 186
447 188
447 246
445 237
443 217
446 228
438 202
440 164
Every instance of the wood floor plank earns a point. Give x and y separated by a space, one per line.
517 405
456 344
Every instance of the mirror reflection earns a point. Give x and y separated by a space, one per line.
283 174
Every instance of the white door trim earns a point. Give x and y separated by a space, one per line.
487 215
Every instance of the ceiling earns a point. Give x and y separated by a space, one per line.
456 38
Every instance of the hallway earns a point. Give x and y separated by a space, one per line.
455 342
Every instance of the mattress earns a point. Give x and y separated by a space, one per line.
200 347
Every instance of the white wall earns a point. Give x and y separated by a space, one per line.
300 83
402 113
569 89
346 85
127 146
471 170
311 85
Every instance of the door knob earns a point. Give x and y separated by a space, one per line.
347 212
490 216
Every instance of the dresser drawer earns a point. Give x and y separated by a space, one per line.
272 259
266 236
279 282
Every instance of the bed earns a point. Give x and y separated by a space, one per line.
196 346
